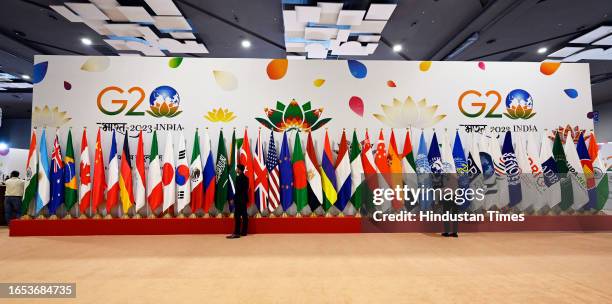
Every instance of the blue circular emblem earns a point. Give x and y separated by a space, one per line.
165 94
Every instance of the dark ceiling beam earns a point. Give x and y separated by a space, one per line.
232 24
466 29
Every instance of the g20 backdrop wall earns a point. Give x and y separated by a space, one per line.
130 93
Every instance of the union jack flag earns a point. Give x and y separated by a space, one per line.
261 176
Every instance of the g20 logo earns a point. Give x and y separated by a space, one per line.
519 104
163 102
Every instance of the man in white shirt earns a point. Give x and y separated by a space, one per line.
12 196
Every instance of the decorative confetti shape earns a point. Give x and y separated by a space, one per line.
40 71
357 69
391 84
571 93
356 105
590 115
175 62
96 64
424 66
67 85
277 68
318 82
548 67
481 65
226 80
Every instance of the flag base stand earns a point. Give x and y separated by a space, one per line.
206 215
26 217
108 217
125 216
151 216
192 216
137 216
167 215
53 217
181 215
341 214
68 217
95 217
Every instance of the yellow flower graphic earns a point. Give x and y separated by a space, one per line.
46 117
408 113
220 115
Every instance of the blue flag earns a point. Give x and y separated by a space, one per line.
43 191
423 173
286 175
513 171
463 171
434 156
57 177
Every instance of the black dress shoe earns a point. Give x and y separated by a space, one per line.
445 234
453 235
243 234
233 236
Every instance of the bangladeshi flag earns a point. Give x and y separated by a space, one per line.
299 175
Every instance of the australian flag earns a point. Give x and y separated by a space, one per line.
57 178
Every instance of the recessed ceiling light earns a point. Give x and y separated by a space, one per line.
86 41
246 44
26 77
542 50
397 48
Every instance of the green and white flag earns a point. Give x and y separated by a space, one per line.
222 174
357 181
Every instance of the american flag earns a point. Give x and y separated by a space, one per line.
273 174
261 176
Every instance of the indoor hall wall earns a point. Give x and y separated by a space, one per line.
16 132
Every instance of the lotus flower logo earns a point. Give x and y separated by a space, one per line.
46 117
409 114
164 102
519 104
220 115
293 117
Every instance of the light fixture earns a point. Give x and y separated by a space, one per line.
26 77
246 44
542 50
86 41
397 48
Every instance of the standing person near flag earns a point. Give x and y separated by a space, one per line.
12 197
241 197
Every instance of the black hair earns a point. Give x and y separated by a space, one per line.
15 173
241 167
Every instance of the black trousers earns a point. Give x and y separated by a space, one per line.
240 215
452 208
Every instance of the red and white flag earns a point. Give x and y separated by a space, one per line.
246 159
260 175
84 175
183 188
155 194
140 195
168 174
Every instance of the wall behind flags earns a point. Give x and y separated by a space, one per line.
134 93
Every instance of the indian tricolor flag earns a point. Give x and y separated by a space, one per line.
31 182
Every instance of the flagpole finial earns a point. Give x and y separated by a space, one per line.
35 127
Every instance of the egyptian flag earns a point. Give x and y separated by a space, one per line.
140 195
246 159
343 174
601 177
328 176
155 195
99 178
513 171
85 175
315 192
112 194
286 175
126 191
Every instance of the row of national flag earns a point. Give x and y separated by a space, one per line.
524 173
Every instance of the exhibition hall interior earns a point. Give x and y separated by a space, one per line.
274 151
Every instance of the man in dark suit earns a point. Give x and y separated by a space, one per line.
240 204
